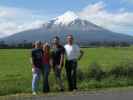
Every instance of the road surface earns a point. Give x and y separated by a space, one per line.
110 95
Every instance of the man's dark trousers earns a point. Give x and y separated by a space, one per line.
71 71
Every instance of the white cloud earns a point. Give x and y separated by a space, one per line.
6 12
14 20
93 8
10 28
119 21
12 12
127 1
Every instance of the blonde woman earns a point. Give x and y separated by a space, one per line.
46 65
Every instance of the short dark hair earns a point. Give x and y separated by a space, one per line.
56 37
70 35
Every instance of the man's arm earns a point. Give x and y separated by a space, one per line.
62 60
32 62
62 57
81 54
51 60
31 59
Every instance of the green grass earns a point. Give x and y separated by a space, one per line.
107 57
15 69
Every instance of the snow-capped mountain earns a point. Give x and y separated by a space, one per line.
70 20
66 18
68 23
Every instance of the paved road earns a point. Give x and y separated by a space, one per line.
119 95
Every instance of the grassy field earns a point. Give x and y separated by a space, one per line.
15 69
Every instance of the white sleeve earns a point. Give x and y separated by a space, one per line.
65 47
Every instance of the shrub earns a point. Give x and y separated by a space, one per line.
118 71
81 76
123 70
95 72
130 70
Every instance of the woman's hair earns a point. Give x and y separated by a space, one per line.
33 45
46 45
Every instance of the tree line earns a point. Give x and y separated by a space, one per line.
29 45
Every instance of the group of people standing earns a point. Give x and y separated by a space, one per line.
44 57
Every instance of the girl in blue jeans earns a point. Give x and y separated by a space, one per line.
35 80
46 66
36 60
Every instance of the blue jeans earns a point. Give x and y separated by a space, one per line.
58 77
46 74
35 79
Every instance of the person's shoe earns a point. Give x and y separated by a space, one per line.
70 90
46 91
34 93
62 90
75 89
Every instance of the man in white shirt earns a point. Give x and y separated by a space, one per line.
73 54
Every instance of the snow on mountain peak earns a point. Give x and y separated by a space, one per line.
66 18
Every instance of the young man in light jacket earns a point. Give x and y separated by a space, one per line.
73 54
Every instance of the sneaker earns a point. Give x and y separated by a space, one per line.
74 90
70 90
62 90
34 93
